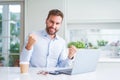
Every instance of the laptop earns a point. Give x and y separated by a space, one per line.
85 61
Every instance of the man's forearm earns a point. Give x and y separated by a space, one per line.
28 46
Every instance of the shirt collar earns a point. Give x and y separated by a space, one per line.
45 34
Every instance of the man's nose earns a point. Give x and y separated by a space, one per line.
54 25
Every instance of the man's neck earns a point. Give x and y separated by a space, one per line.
52 36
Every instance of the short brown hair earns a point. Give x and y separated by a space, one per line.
55 12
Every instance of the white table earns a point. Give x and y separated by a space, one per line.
104 71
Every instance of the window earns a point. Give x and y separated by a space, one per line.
104 36
11 24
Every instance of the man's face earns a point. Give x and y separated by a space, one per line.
53 24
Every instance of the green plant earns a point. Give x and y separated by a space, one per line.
102 42
13 59
1 58
15 48
78 44
71 43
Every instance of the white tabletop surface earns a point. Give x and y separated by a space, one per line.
103 72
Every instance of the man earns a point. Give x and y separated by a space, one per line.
45 48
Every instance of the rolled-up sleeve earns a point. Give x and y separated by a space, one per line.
25 55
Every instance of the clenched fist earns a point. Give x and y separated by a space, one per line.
31 41
72 51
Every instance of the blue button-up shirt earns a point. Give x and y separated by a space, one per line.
46 52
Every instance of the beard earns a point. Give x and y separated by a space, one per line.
51 30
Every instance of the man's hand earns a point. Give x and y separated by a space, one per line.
72 51
31 40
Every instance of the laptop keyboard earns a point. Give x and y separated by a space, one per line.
62 71
65 71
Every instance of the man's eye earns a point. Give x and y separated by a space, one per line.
57 23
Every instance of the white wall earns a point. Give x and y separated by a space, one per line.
36 12
76 10
93 9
